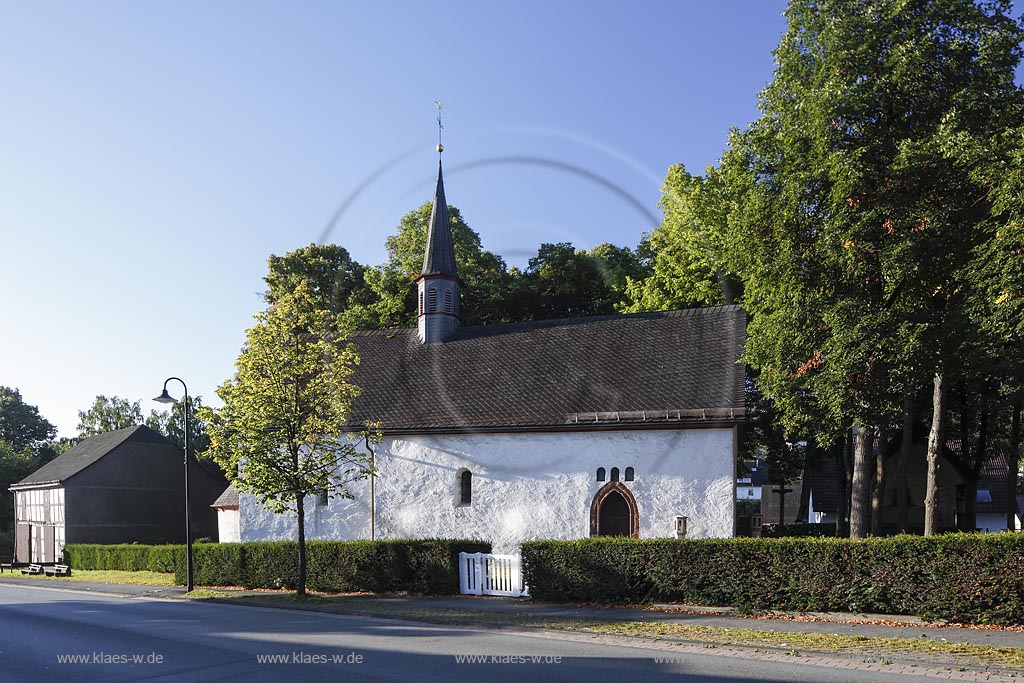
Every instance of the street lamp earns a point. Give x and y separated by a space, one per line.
164 397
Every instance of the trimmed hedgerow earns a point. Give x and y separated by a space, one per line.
977 578
417 566
129 557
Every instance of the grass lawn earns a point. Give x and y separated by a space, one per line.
146 578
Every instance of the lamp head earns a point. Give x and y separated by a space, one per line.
164 397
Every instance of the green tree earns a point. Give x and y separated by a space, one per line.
282 427
21 425
335 280
860 214
485 279
108 414
687 252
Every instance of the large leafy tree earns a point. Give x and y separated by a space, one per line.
485 280
21 425
861 215
335 280
108 414
282 425
687 252
564 282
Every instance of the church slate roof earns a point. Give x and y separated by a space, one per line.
645 369
88 451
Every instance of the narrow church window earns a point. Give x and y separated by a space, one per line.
466 488
600 474
629 474
615 474
421 303
432 300
447 301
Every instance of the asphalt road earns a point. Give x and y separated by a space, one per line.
56 635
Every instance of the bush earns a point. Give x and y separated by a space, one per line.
969 578
129 557
416 566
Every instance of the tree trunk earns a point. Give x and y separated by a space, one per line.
300 510
878 492
860 495
903 464
1013 460
848 468
841 529
936 441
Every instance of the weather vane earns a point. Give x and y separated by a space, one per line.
440 147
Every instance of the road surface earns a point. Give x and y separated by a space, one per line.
59 635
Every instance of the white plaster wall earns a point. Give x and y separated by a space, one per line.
525 487
227 526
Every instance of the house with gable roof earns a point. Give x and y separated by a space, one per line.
558 429
125 486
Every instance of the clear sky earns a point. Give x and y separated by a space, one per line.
154 154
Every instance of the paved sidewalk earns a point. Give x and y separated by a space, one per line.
824 623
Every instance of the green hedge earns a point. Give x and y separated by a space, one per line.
125 557
974 578
418 566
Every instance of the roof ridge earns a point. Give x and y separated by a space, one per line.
552 322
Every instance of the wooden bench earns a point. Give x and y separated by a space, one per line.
58 570
33 569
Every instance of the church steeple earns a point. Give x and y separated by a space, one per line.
439 259
438 287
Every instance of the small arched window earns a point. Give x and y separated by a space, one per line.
600 474
432 300
629 474
615 474
466 488
447 301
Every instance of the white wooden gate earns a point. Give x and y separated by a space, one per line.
486 574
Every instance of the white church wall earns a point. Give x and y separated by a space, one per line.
525 487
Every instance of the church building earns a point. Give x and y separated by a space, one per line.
622 425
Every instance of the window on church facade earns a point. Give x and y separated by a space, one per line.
421 303
615 474
629 474
600 474
432 300
465 488
447 301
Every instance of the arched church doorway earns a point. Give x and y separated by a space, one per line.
613 512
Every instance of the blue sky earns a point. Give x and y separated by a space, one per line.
154 154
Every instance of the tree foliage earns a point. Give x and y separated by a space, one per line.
107 415
282 427
21 425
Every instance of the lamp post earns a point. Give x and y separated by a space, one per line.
164 397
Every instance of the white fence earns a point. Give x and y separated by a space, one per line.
486 574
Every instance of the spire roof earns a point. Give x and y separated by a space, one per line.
439 258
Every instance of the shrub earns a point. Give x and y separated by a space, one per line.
417 566
129 557
959 577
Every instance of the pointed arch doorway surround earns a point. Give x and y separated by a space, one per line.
613 512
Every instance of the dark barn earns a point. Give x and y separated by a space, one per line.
126 486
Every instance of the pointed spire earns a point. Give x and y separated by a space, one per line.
439 258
